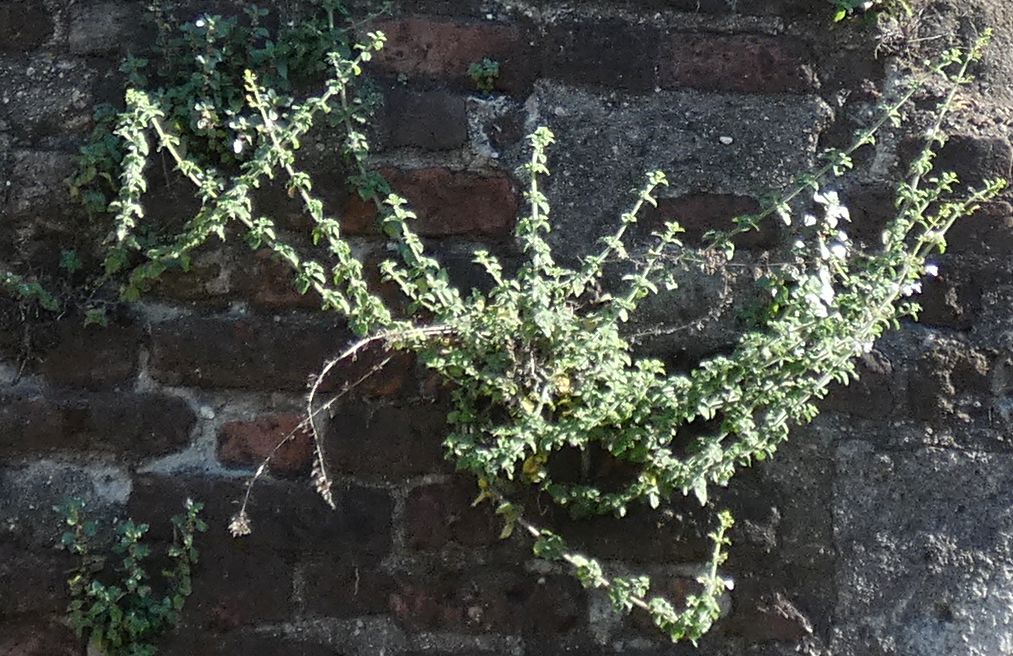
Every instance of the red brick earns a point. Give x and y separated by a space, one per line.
132 426
448 203
502 601
243 353
272 285
444 49
248 443
387 441
699 212
91 356
337 587
441 514
741 63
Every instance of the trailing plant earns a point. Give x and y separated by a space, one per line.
539 364
484 74
126 617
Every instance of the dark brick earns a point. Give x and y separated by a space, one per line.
760 615
945 372
242 353
194 641
448 203
489 600
444 49
38 637
872 209
272 285
974 159
288 519
34 581
91 356
741 63
700 212
24 26
387 441
336 587
988 233
133 426
951 299
871 395
603 52
248 443
433 120
102 27
440 514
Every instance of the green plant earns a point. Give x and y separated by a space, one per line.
484 74
845 8
539 364
127 617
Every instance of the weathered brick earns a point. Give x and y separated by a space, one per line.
974 159
24 26
288 518
444 49
988 233
91 356
433 120
950 300
337 587
447 203
504 601
242 353
871 395
238 584
272 285
741 63
102 27
602 52
133 426
387 441
189 640
946 372
440 514
697 213
248 443
38 637
33 581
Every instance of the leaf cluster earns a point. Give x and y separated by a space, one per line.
119 612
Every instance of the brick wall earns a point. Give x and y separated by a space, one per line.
884 528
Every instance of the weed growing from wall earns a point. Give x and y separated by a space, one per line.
539 364
123 615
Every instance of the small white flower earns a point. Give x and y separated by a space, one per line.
799 244
827 293
200 22
785 216
828 198
838 250
932 270
838 212
237 145
824 251
913 288
809 220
